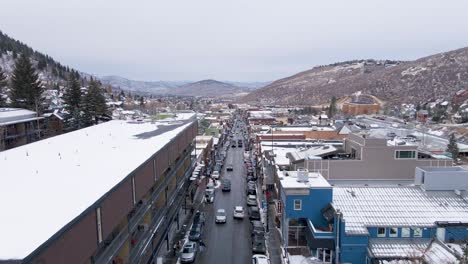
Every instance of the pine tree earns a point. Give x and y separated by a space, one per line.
332 109
73 98
3 84
94 104
26 88
452 147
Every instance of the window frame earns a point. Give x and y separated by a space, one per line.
397 151
300 204
405 232
393 229
382 235
420 232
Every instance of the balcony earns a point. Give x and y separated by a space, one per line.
319 232
111 248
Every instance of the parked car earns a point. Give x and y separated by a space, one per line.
189 252
226 185
256 226
251 190
251 200
209 195
254 213
215 175
195 232
199 218
258 244
260 259
233 145
220 216
229 167
251 178
239 212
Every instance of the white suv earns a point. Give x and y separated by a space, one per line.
260 259
215 175
238 212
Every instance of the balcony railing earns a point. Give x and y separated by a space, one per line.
107 255
319 234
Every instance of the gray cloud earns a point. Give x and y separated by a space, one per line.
231 40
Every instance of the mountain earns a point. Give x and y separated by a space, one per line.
50 72
438 76
183 88
210 88
153 87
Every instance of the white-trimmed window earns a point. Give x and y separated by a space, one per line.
99 224
297 204
393 232
405 232
324 254
405 154
417 232
381 232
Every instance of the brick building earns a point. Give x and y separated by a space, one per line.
360 108
104 194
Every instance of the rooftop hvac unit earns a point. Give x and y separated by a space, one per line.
302 175
457 192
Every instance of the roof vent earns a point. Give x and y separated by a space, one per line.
457 192
302 175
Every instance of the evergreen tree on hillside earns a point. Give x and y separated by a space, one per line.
26 88
332 109
94 104
72 99
452 147
3 84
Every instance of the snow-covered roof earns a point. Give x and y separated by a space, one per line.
431 252
312 152
46 184
14 115
313 128
364 207
316 180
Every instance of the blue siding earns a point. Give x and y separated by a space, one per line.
311 205
456 233
426 232
353 249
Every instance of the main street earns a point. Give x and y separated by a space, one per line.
230 242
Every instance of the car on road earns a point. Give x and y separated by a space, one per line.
220 216
254 213
239 212
258 244
189 252
226 185
215 175
251 178
251 190
260 259
251 200
199 218
229 167
209 195
256 226
233 145
195 233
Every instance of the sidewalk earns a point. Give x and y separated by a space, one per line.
273 239
168 256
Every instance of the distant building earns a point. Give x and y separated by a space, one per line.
365 158
108 193
19 127
310 132
360 108
422 116
426 222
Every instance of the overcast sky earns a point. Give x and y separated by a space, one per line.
237 40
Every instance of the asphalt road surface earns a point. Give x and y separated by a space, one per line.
230 242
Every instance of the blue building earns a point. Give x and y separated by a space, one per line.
427 221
